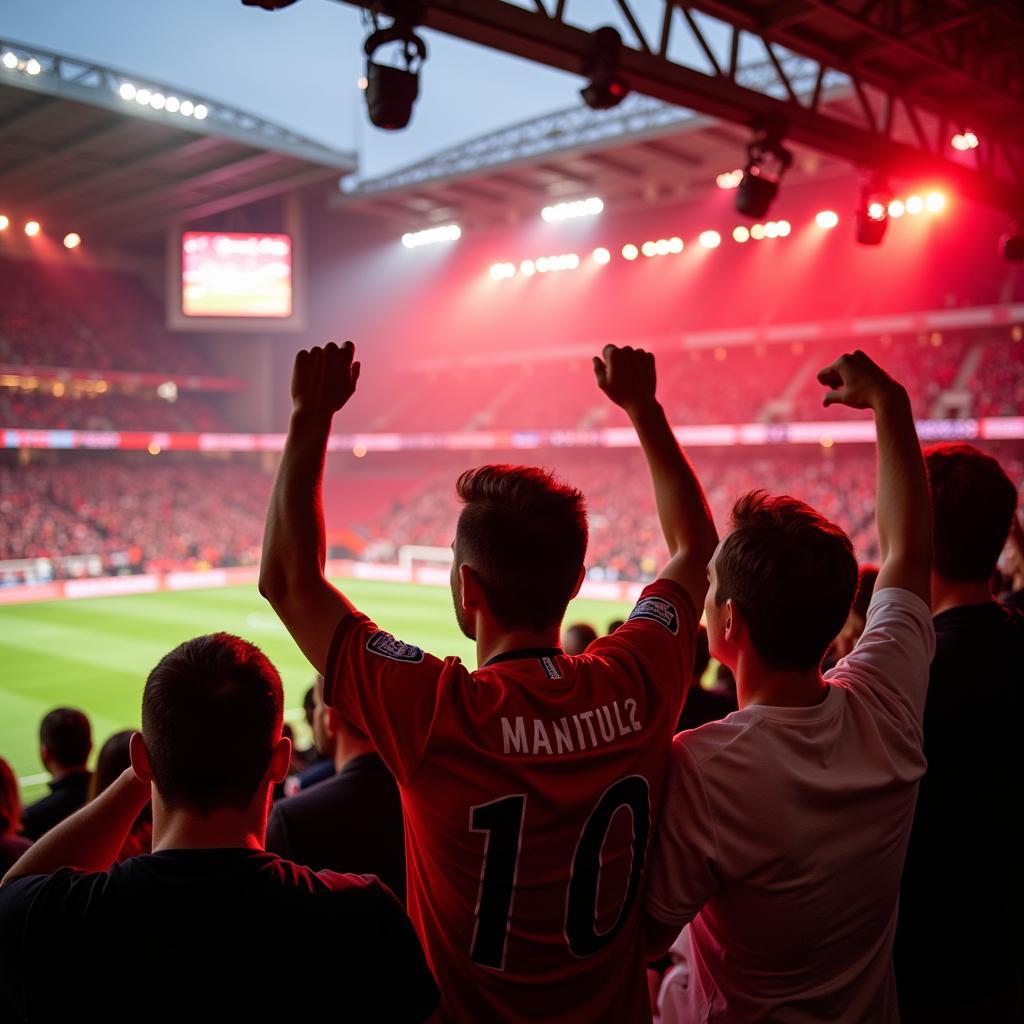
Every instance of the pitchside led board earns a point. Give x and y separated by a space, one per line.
234 281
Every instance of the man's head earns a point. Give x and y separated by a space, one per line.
973 502
519 548
578 637
212 712
65 740
782 581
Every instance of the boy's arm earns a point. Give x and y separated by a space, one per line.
627 377
903 512
294 545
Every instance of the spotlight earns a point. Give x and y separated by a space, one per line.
502 270
173 104
9 60
200 112
32 228
187 106
602 255
661 247
740 234
896 208
527 268
362 83
32 66
5 222
757 232
935 202
1013 246
872 213
784 228
630 251
158 101
767 162
566 211
142 96
771 230
964 141
442 233
675 244
710 239
649 248
914 204
729 179
392 91
72 240
126 91
601 65
827 219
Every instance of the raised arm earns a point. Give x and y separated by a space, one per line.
628 378
903 512
294 544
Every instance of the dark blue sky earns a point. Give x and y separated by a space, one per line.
299 66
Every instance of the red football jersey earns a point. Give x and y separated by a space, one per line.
530 788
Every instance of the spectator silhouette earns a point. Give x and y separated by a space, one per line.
65 741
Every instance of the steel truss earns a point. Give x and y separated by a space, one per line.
917 71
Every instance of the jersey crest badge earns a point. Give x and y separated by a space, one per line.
657 609
387 646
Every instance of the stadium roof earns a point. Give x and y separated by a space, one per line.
88 148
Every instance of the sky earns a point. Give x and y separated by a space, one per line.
299 66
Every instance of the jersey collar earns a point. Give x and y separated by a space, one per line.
525 652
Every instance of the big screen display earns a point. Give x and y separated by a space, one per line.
236 274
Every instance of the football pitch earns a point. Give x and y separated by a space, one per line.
95 653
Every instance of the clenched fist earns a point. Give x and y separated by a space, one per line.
324 379
626 376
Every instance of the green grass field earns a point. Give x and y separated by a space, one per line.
95 654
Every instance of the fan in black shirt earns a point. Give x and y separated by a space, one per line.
199 927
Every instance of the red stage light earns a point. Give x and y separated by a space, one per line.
876 210
964 141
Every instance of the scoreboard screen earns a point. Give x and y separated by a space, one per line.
226 274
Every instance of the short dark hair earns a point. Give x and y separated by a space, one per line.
792 574
867 576
973 502
212 711
66 734
578 637
524 533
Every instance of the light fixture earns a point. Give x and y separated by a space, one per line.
391 91
606 89
429 236
757 232
914 204
72 240
630 251
649 248
827 219
601 255
710 239
767 162
528 268
32 228
126 91
32 66
964 141
9 60
896 208
729 179
200 112
873 212
935 201
567 211
5 222
740 234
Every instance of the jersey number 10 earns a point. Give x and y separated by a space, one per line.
502 821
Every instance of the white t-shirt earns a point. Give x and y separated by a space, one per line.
784 832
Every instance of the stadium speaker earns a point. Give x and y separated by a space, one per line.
391 91
606 89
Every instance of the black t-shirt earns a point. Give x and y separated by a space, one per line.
208 934
959 933
65 797
349 822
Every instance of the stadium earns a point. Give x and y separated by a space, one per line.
745 191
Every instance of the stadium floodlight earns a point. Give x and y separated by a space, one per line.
964 141
392 91
606 89
143 96
9 61
710 239
527 268
127 90
935 201
158 101
187 107
896 208
200 112
675 244
173 104
649 248
914 204
601 255
757 232
767 162
428 236
740 234
72 240
5 222
729 179
32 66
827 219
503 270
873 213
567 211
32 228
630 251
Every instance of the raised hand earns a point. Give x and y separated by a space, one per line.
626 375
324 379
856 381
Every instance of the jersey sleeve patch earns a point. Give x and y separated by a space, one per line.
657 609
385 645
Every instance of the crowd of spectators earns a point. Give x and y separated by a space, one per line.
98 514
